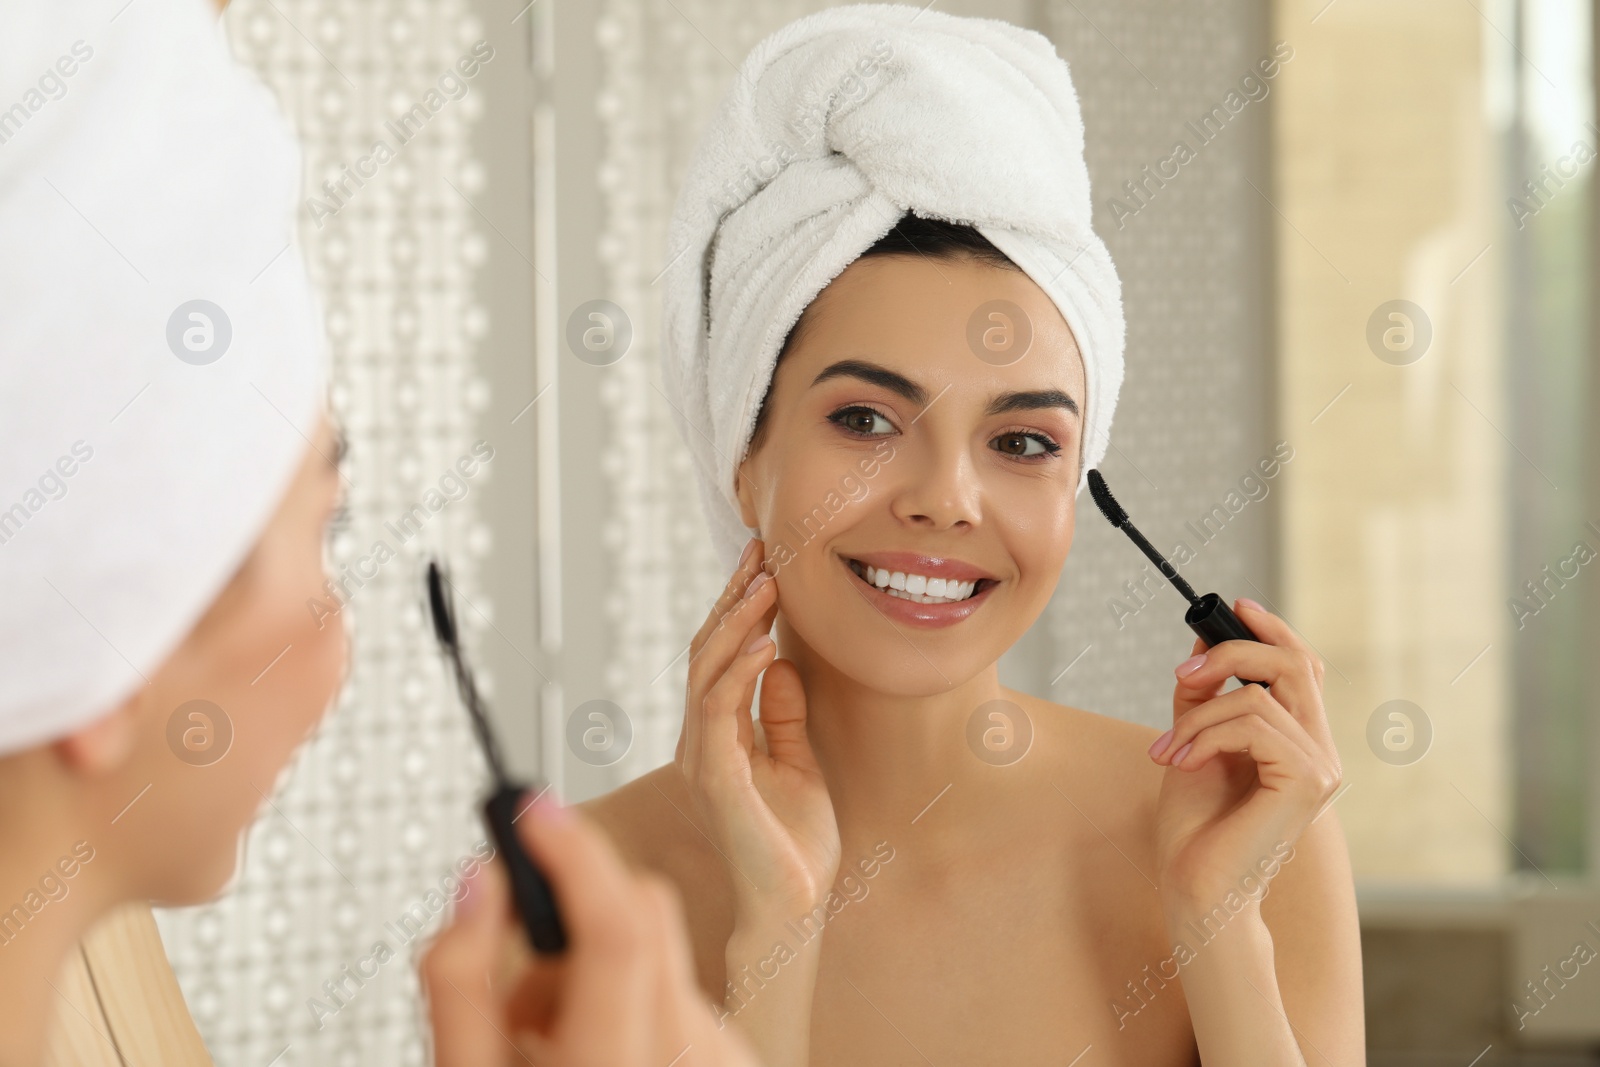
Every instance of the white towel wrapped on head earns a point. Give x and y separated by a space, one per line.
145 438
835 126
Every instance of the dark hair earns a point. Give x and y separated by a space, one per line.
913 235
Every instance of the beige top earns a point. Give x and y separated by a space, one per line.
120 1002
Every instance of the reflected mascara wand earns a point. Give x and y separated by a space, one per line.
535 903
1208 615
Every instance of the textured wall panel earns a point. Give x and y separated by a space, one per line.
377 809
1192 418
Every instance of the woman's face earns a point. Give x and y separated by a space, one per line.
266 667
895 444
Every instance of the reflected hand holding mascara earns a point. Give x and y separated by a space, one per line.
535 904
1208 615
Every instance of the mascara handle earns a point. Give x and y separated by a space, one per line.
529 889
1212 619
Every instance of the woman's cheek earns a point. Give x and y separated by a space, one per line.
311 649
796 495
1038 528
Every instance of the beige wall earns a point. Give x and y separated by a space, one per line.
1393 524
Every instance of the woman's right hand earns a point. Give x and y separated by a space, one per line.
768 807
622 995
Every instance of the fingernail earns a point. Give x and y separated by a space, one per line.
756 583
744 557
1245 601
1190 665
1182 752
548 809
1161 744
761 641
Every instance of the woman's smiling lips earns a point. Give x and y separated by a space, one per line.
945 590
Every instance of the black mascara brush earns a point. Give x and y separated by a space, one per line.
1208 615
530 890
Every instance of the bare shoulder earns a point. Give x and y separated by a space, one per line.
1102 764
1110 737
1103 758
651 820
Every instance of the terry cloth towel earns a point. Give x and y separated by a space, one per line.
160 351
836 125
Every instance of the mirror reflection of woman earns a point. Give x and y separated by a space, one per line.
866 883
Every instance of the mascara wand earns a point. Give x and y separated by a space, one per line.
535 903
1208 615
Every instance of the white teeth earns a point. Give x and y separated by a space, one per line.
916 587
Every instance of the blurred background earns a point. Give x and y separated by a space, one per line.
1356 240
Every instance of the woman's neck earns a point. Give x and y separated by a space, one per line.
890 759
43 917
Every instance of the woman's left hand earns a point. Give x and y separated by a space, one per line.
1247 769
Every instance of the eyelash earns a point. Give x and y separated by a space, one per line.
1051 448
838 417
339 521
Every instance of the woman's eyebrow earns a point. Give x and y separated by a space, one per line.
1031 401
876 375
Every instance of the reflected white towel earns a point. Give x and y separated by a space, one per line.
140 169
835 125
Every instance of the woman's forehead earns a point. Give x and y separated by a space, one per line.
958 321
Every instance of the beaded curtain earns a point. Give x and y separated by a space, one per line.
663 70
308 959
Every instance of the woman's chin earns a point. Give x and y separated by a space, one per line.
901 672
208 878
896 661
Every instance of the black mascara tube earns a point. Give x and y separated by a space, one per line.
530 891
1209 615
535 903
1214 622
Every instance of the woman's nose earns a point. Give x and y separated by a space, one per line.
942 490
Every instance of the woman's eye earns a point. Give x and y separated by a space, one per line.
863 421
1025 444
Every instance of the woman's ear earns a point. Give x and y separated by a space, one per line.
746 493
104 744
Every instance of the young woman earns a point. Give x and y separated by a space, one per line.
166 482
106 814
863 886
